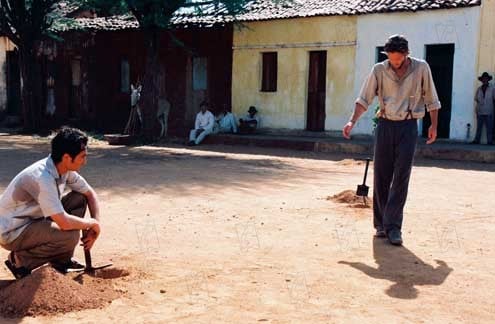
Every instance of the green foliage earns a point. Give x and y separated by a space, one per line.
152 14
106 7
26 21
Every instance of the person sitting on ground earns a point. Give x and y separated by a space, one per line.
39 224
225 122
203 125
249 123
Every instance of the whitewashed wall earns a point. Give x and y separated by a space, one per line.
458 26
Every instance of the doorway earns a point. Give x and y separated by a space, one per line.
13 83
317 91
441 61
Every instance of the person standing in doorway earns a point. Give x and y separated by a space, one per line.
485 101
405 89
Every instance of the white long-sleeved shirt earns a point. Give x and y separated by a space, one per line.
205 121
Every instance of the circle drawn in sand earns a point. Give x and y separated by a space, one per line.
349 197
48 292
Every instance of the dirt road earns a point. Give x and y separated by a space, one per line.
247 235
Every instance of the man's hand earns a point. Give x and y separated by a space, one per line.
346 132
432 134
91 235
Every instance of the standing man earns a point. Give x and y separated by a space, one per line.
203 125
404 87
485 101
38 224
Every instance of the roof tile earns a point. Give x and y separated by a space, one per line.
258 10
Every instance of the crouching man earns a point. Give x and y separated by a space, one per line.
39 224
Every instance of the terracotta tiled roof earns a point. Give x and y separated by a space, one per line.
265 10
271 9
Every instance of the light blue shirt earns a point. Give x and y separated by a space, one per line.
35 193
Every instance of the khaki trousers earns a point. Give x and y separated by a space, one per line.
43 241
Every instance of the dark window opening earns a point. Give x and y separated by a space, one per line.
380 56
269 72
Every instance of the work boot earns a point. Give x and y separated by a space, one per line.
394 237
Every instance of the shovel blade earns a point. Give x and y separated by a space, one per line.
102 266
92 269
362 190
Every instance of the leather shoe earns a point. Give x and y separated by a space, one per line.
394 237
380 233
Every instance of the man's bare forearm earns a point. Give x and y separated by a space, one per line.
93 204
358 111
68 222
434 118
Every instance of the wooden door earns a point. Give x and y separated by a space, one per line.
316 91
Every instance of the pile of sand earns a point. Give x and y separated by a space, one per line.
348 162
48 292
349 197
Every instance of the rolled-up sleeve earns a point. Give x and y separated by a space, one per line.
368 90
429 92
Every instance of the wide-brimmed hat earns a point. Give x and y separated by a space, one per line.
252 109
485 75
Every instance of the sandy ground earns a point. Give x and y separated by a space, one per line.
222 234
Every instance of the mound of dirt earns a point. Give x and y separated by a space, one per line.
48 292
349 197
347 162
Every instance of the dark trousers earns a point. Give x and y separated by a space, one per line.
487 120
43 241
395 144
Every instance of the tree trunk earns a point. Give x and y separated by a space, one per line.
31 89
150 93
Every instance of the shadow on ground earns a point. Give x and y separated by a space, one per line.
402 267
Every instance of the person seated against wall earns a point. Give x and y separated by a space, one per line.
249 123
203 125
225 122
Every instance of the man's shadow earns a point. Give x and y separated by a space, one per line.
401 266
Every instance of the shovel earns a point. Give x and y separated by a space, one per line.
363 189
89 268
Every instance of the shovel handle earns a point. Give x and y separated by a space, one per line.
366 170
87 255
